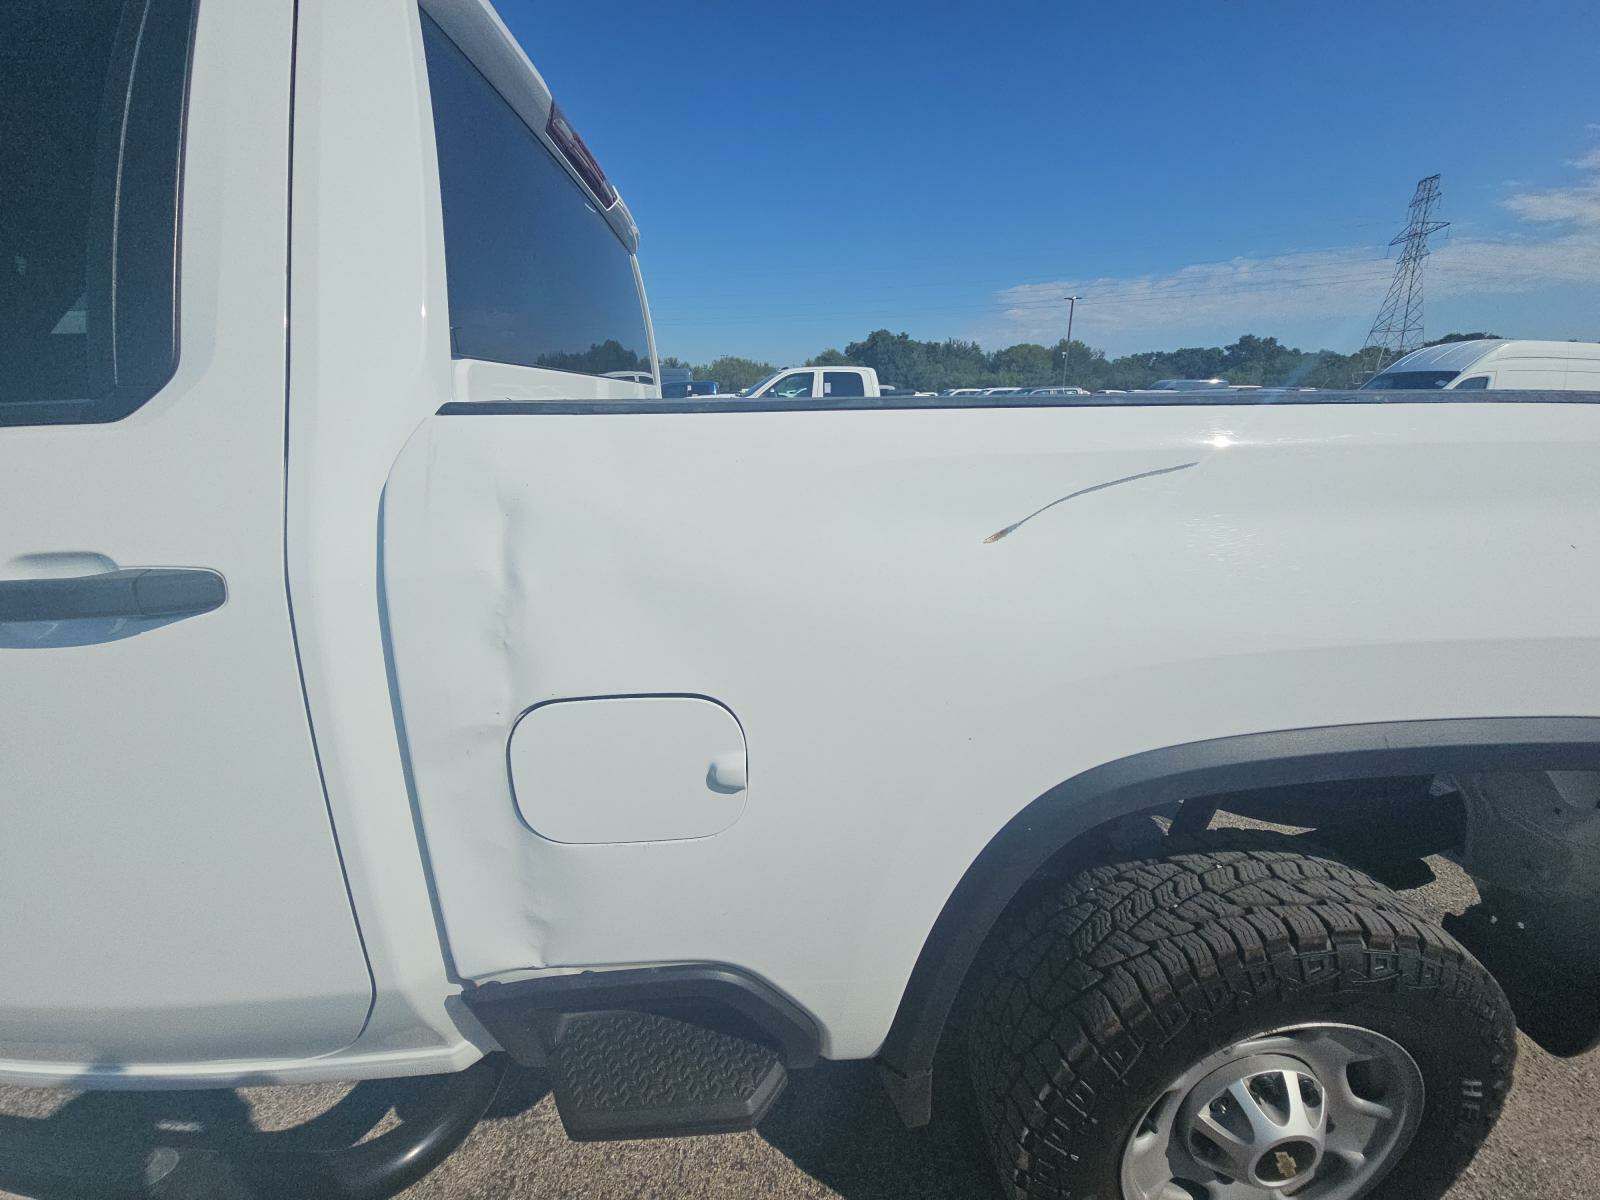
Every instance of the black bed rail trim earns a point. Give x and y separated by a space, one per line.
738 404
515 1013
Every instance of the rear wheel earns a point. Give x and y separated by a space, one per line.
1233 1019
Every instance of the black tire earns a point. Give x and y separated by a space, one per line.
1096 992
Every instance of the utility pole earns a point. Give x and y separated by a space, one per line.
1397 328
1066 355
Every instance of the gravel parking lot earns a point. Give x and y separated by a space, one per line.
832 1135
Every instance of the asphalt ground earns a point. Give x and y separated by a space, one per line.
833 1135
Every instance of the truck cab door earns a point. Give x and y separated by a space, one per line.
796 385
173 888
843 385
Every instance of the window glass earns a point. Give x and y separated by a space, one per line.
1476 384
91 124
793 386
842 383
1410 381
536 275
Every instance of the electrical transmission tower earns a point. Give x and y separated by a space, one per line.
1398 327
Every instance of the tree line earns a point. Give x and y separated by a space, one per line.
904 361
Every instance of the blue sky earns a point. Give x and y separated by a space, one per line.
803 174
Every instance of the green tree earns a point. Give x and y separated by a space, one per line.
830 358
1023 365
609 355
1460 337
733 373
905 361
896 358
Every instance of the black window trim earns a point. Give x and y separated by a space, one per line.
133 222
735 404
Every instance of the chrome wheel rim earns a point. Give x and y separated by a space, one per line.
1313 1112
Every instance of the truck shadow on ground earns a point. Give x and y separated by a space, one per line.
98 1144
836 1124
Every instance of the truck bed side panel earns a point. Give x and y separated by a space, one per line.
925 619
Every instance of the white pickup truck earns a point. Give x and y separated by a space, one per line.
387 689
817 383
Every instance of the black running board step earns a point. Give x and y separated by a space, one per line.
622 1075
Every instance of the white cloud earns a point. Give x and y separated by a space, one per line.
1487 266
1322 286
1333 288
1579 204
1201 295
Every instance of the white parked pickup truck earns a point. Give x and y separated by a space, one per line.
388 689
817 383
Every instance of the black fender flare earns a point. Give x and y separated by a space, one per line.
1156 779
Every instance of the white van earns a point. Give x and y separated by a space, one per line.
1499 364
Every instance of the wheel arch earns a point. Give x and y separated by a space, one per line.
1155 779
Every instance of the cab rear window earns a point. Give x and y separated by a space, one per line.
91 135
536 275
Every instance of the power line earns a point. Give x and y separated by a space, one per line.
1154 295
1397 329
1250 268
994 306
846 269
1277 277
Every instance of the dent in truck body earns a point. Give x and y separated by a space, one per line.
369 329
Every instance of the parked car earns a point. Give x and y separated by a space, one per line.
689 388
1494 363
1188 385
1058 391
389 691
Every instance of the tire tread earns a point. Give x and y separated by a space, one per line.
1126 959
